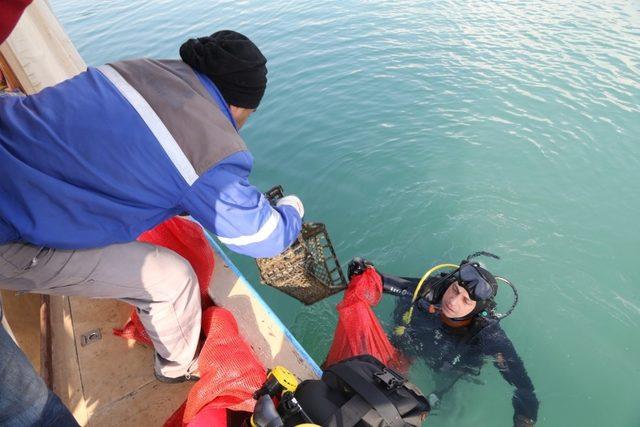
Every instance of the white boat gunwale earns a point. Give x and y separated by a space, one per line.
258 298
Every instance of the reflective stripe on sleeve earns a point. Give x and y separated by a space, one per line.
153 122
262 234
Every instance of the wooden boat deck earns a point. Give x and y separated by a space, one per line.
110 381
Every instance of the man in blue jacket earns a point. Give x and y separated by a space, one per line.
89 164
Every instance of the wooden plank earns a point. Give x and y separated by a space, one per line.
9 76
114 370
67 380
150 405
22 314
45 340
39 52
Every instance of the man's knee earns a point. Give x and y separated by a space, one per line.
172 274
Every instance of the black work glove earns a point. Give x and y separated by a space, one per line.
357 266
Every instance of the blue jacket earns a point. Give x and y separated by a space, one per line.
102 157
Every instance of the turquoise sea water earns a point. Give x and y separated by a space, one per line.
420 132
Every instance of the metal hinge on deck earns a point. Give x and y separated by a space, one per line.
90 337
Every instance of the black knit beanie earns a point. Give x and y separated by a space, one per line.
234 64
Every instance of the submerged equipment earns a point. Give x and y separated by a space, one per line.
474 279
309 269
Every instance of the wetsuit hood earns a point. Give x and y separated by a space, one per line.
483 307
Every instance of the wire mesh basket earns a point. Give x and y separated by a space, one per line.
309 270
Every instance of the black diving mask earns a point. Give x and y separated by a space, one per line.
481 287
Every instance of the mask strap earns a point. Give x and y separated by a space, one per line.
481 253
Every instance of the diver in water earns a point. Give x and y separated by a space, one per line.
450 321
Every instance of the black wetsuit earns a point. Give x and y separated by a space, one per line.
456 352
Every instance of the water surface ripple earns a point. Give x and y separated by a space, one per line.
421 131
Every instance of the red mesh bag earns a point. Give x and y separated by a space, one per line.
229 371
358 330
229 374
134 330
207 417
210 416
187 239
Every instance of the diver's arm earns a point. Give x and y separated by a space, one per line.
399 286
390 284
506 359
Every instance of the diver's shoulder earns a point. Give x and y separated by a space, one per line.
490 325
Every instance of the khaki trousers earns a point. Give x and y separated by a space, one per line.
158 282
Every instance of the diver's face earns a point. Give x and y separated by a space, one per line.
456 302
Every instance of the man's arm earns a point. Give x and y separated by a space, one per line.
506 359
224 202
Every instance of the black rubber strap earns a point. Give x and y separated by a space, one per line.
371 394
349 414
